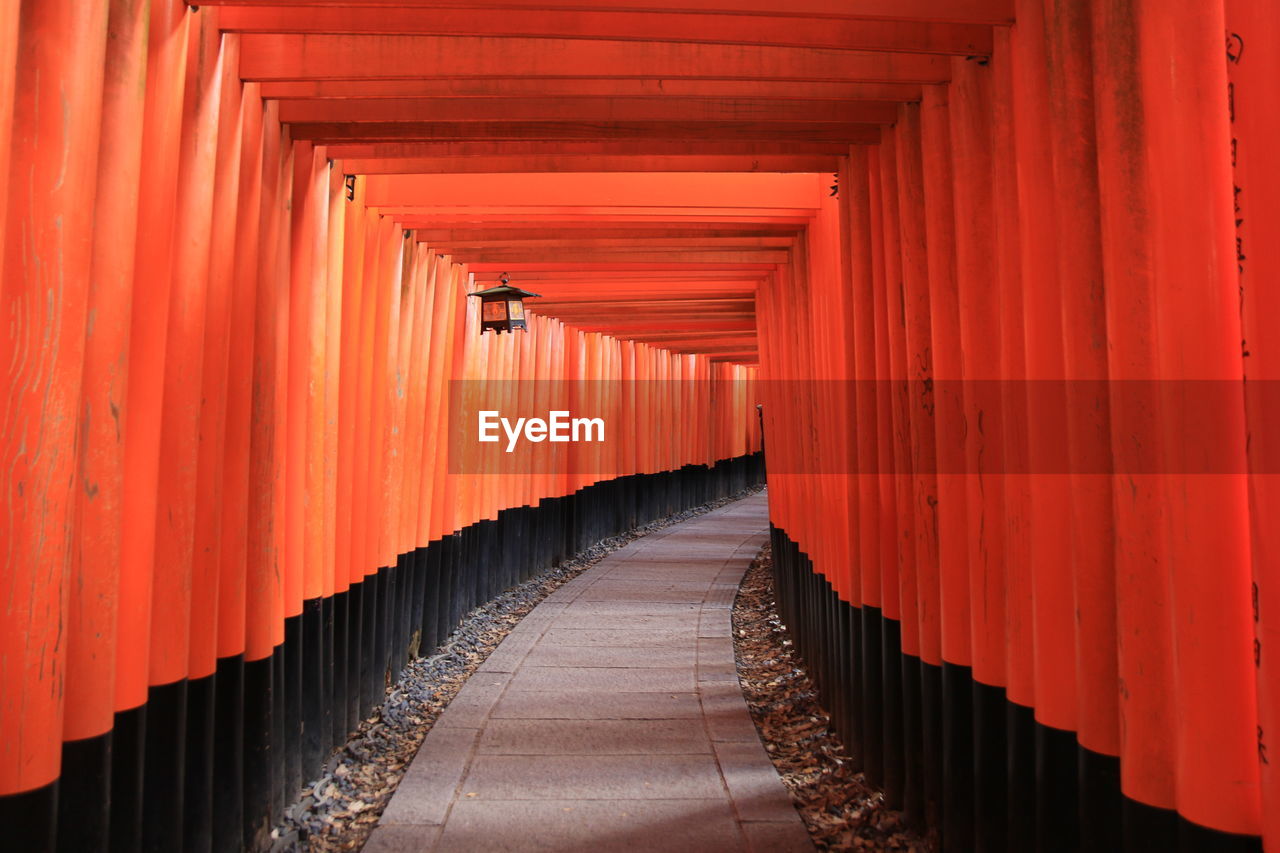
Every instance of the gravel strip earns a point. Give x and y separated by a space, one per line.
841 811
339 810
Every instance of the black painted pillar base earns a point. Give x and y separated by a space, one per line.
84 795
990 766
30 819
229 756
165 752
197 796
128 739
1057 803
1098 778
260 768
1020 767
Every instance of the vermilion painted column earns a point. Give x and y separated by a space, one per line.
363 565
347 511
301 299
1074 150
148 330
890 627
919 364
336 580
435 449
1052 584
904 479
953 554
213 456
242 710
1147 711
386 343
362 522
169 701
1253 64
50 184
834 270
1197 314
416 473
84 803
317 588
203 694
264 613
979 310
1018 597
459 327
348 379
855 191
8 74
336 614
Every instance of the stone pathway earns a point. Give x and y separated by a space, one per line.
609 719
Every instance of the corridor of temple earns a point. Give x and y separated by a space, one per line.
992 281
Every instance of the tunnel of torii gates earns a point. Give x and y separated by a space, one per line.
1015 379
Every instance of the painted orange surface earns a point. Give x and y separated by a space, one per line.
238 240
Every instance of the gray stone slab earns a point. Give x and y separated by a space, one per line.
471 707
603 679
531 705
782 837
546 654
593 737
593 826
628 621
401 839
630 584
720 598
612 637
714 628
429 786
753 783
656 593
722 672
726 714
593 777
715 649
505 660
629 608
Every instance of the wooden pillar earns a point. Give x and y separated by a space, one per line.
84 803
44 298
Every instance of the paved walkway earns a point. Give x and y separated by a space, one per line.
609 719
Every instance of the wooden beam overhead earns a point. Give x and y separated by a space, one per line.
623 255
945 11
536 232
666 110
606 269
582 147
266 57
424 217
488 165
623 192
586 87
574 243
701 28
327 133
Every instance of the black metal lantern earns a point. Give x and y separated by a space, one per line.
501 308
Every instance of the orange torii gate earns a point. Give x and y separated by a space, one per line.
1003 363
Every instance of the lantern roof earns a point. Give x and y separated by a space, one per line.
504 290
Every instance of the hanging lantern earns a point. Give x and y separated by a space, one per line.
501 308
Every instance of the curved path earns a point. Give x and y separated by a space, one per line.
610 718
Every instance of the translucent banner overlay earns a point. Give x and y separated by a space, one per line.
920 427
